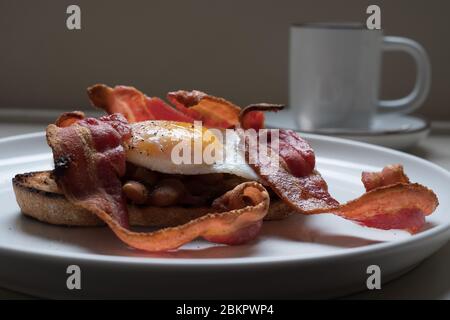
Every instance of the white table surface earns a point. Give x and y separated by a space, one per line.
430 280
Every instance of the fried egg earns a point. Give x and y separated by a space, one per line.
187 149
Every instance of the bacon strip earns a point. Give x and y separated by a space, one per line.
89 161
252 116
398 206
297 153
391 202
391 174
233 227
292 177
215 112
306 194
193 105
122 99
89 157
162 111
68 118
133 104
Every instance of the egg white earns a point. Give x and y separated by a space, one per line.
154 143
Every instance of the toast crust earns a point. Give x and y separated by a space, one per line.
38 197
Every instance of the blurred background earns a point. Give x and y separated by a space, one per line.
235 49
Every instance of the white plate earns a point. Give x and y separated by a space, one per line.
398 131
303 256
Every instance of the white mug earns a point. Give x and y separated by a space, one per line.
334 75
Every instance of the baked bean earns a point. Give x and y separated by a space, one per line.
167 193
135 191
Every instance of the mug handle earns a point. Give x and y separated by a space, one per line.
423 79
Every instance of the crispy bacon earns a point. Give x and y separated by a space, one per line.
297 153
122 99
252 116
391 174
215 112
235 226
193 105
162 111
133 104
397 206
212 111
68 118
304 193
253 120
89 156
391 202
89 161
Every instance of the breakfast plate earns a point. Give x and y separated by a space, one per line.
316 256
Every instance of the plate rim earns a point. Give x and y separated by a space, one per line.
242 261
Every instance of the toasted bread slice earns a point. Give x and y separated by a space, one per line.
38 196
